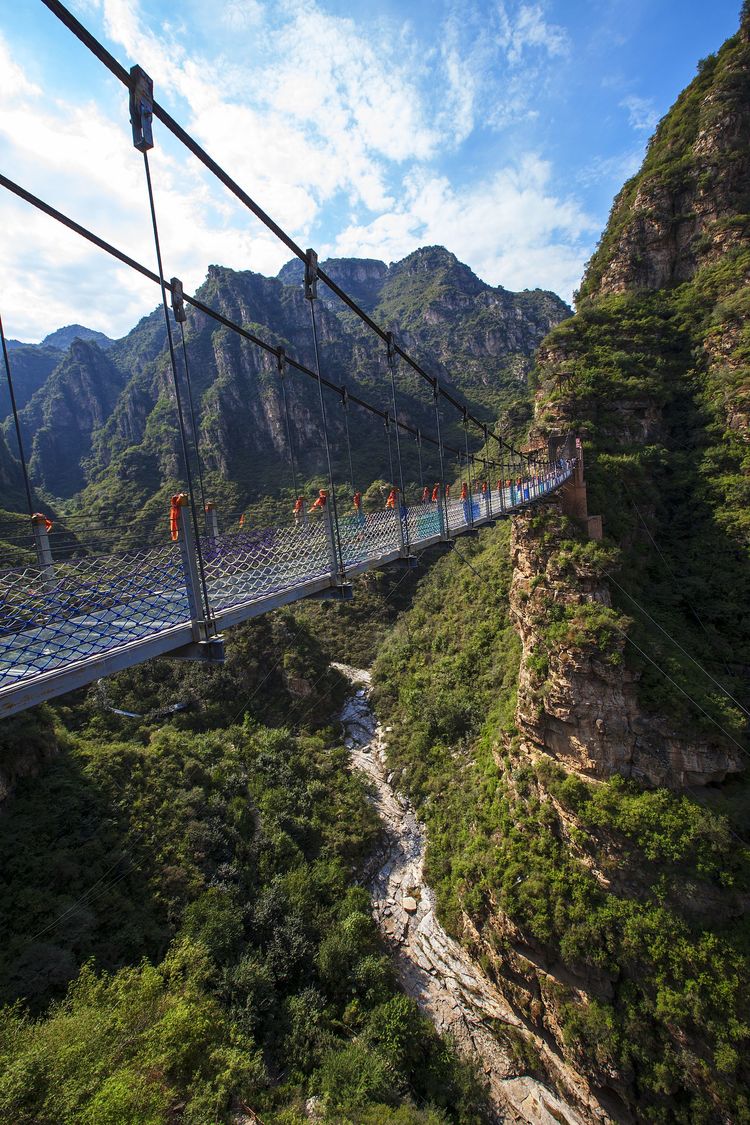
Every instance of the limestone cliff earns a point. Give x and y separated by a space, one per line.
652 372
31 366
63 414
577 696
686 206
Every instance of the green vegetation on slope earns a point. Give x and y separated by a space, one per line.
659 939
182 931
669 477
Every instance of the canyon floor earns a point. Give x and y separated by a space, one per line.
435 970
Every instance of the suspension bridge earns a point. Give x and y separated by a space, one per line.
67 621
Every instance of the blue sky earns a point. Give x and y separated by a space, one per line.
500 128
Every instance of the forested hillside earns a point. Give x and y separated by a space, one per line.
182 929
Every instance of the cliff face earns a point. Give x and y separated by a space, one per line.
362 278
11 481
569 876
577 697
31 366
63 414
63 338
446 313
684 208
653 373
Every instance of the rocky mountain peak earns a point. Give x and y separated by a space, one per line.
105 417
362 278
684 207
64 337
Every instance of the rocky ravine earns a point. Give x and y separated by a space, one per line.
460 1000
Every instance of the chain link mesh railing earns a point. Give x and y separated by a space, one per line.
369 537
248 566
51 617
423 523
78 609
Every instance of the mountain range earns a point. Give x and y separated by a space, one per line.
98 416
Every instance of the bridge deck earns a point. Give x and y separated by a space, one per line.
63 627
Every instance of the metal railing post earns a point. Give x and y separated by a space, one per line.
442 512
404 528
212 522
336 568
401 513
503 479
189 556
43 550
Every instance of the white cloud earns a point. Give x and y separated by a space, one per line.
642 114
615 169
529 30
512 228
13 82
241 14
313 115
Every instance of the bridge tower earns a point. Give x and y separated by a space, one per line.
573 493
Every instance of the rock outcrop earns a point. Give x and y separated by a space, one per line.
677 213
652 372
577 697
77 399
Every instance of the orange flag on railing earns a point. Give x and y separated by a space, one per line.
174 518
48 524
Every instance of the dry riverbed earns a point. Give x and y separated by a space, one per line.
460 1000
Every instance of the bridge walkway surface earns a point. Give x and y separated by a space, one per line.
68 623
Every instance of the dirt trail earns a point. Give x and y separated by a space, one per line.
433 968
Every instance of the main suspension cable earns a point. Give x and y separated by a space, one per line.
392 478
281 364
178 396
345 405
193 422
392 369
419 455
16 421
311 292
468 472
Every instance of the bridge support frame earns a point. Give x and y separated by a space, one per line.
443 513
337 564
403 530
212 522
43 549
189 556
